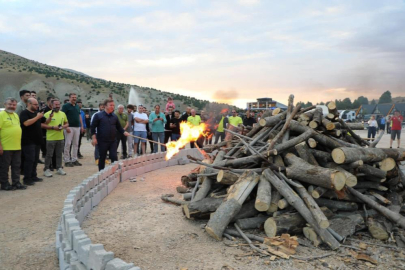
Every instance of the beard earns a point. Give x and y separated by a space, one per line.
9 110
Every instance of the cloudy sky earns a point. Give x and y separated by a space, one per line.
219 50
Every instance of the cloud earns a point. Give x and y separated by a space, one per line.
230 95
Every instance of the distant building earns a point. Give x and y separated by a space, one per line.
265 104
382 109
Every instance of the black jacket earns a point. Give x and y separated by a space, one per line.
107 126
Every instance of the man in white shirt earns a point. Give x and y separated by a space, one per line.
141 119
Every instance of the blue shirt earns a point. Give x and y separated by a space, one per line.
157 126
83 119
106 125
383 121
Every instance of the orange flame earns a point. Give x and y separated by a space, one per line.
189 133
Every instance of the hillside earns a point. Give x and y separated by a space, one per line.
18 73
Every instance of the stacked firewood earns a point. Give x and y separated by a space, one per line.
298 172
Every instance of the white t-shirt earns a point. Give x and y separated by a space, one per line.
140 126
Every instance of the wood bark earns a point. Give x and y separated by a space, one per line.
351 180
272 120
251 223
353 134
328 124
337 205
305 153
230 208
299 205
315 175
344 155
387 164
275 197
227 177
312 142
318 192
279 148
201 208
352 126
398 154
370 185
263 197
316 119
372 171
346 226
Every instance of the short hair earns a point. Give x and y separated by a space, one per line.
72 94
23 92
53 100
33 92
157 105
48 99
130 106
177 111
101 104
11 99
79 101
120 106
66 101
108 100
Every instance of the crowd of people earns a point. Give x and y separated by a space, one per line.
393 125
29 127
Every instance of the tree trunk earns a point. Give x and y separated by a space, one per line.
300 206
321 156
291 143
305 153
351 180
370 185
387 164
337 205
227 177
397 154
328 124
352 126
312 142
316 119
229 209
275 197
318 192
344 155
263 197
315 175
202 208
371 171
251 223
353 134
377 228
272 120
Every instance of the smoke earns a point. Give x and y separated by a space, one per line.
226 96
133 97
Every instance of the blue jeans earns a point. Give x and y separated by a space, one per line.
161 137
175 137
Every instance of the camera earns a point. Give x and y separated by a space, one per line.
158 116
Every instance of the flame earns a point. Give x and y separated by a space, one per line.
189 133
225 110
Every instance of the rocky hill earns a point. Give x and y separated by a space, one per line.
18 73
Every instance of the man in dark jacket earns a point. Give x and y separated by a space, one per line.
107 124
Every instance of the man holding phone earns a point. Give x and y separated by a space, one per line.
56 122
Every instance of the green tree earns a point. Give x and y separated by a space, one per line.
385 98
356 104
362 100
347 103
373 102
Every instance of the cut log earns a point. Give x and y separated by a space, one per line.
208 181
282 204
229 209
353 165
305 153
377 229
279 148
248 210
315 175
344 155
251 223
316 119
272 120
335 133
182 189
372 171
328 124
352 126
312 142
353 134
170 199
351 180
185 179
321 156
202 208
277 111
318 192
330 116
337 205
227 177
300 206
263 197
311 235
320 138
291 223
187 196
377 140
332 107
397 154
387 164
394 217
370 185
275 197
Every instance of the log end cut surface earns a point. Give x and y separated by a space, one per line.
338 180
338 156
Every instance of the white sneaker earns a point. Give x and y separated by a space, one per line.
61 172
48 173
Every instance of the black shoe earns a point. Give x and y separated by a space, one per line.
18 185
69 164
37 179
7 187
80 156
28 182
40 161
76 163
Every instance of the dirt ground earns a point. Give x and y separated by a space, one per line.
137 226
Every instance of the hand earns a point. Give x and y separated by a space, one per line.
94 142
126 134
68 130
82 130
40 115
1 150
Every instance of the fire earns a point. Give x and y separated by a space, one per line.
189 133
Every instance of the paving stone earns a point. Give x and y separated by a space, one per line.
118 264
83 250
77 265
98 257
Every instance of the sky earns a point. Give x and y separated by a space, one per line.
231 51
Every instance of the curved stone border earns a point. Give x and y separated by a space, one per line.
74 248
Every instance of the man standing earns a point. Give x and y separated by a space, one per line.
96 151
87 120
169 115
235 119
34 94
10 146
157 121
195 120
396 128
56 122
83 127
185 116
130 140
140 121
175 126
31 140
107 124
222 121
22 105
250 120
72 133
123 119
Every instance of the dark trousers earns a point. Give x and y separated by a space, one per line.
43 146
80 143
123 139
103 148
168 135
31 154
54 149
219 135
13 159
371 132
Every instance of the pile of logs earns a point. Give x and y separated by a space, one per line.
298 172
